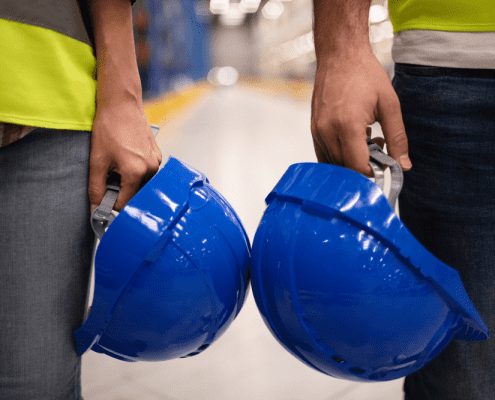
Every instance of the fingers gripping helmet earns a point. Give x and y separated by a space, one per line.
344 286
171 270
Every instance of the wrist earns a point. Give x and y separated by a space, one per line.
118 80
118 99
342 57
341 28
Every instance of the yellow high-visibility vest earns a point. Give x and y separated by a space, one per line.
443 15
47 78
47 64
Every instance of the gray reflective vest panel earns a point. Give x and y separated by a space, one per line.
68 17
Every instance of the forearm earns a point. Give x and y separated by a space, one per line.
352 90
121 139
340 26
117 71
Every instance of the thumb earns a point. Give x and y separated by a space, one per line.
97 186
395 134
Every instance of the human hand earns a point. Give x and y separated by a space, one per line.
122 142
351 92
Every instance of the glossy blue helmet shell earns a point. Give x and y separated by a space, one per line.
345 287
171 271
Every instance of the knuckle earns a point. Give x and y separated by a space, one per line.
389 105
158 156
155 164
339 121
313 127
331 128
92 191
135 171
322 123
95 195
120 204
398 138
97 161
141 168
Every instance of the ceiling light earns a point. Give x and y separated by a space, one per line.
234 16
249 6
219 6
273 9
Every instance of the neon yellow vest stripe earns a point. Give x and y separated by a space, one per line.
443 15
47 78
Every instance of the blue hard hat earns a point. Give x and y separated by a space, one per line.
171 270
344 286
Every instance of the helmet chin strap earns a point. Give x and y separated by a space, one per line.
379 159
102 216
100 219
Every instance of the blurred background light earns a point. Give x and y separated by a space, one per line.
381 32
249 6
234 16
219 6
273 9
292 49
223 76
378 14
212 76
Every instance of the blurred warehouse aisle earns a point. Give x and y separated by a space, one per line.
243 138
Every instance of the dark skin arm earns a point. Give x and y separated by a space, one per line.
121 140
352 90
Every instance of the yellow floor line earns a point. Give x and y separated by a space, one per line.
297 89
164 108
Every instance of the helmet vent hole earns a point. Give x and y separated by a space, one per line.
204 346
378 375
338 360
357 370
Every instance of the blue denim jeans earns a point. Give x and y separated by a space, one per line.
448 203
45 259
